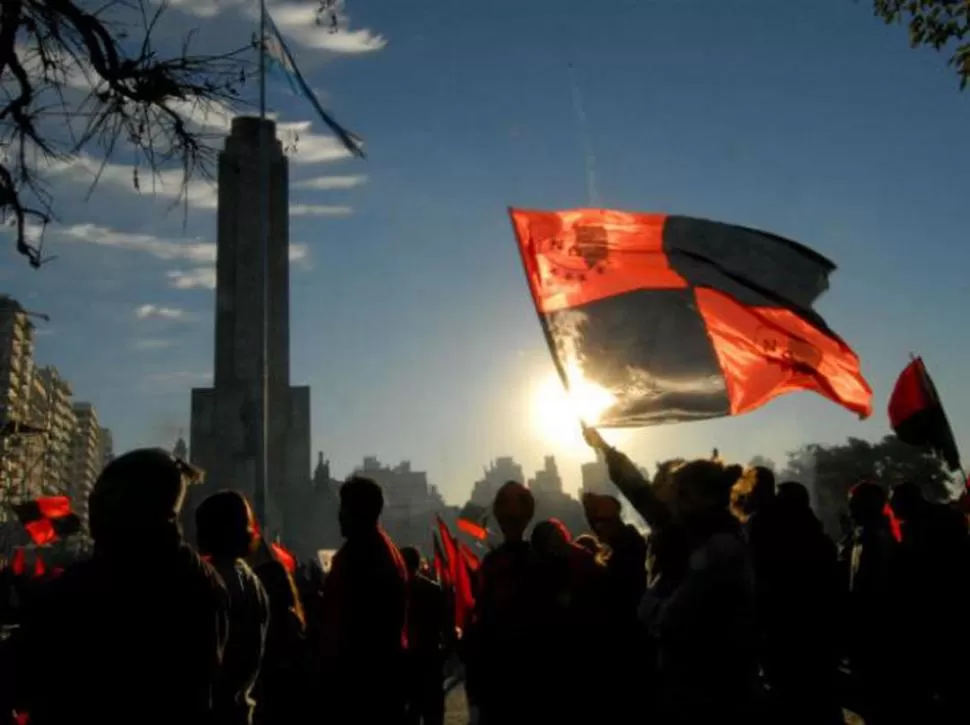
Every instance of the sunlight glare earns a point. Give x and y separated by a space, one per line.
556 413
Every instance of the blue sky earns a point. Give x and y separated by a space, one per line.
411 318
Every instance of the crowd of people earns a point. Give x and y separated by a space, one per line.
737 607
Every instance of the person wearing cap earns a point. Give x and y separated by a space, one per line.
136 633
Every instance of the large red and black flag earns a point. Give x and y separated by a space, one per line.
48 518
917 417
677 319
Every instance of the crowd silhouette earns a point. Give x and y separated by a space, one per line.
737 607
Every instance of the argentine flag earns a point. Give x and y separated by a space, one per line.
278 55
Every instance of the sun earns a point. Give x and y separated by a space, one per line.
556 413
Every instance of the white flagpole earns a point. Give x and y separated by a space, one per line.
262 437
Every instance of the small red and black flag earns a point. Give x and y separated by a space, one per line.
917 417
473 529
673 319
440 564
48 518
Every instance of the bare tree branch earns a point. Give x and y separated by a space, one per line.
62 62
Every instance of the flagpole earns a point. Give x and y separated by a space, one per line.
262 438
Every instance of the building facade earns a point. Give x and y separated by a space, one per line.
16 387
410 502
224 439
52 412
86 458
497 473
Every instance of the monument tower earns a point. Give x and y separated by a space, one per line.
225 418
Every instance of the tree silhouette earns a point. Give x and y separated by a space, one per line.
80 74
832 470
943 25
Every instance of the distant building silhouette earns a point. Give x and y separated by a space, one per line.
499 472
225 417
410 503
596 477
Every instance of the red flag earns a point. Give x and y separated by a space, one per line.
284 557
717 319
464 597
440 564
917 417
894 526
48 518
21 718
471 559
473 529
18 564
39 568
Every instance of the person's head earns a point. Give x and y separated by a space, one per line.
603 515
412 559
702 489
867 501
763 491
137 500
551 538
907 500
361 504
514 508
225 526
793 495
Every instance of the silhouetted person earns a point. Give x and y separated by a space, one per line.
365 601
933 570
146 614
226 533
703 620
427 625
568 626
870 568
502 631
799 604
284 690
624 553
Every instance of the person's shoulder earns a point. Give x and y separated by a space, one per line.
203 575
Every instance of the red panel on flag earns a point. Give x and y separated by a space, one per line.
476 531
769 351
54 507
41 531
583 255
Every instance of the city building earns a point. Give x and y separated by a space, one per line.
498 472
410 503
16 386
224 437
595 477
107 448
86 457
52 412
547 481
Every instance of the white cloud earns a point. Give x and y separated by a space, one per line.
305 147
319 210
146 344
181 377
198 278
205 277
158 247
145 312
327 183
297 21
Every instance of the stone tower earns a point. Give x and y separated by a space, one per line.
224 435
